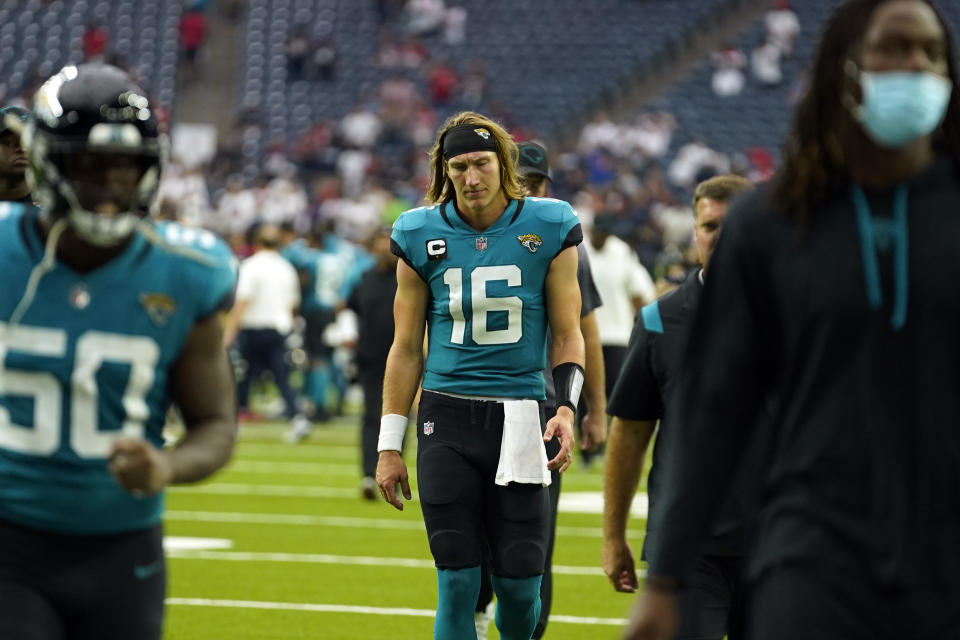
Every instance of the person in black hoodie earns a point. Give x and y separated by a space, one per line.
832 297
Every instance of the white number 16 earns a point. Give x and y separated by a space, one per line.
481 304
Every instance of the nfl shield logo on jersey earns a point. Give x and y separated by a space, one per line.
428 427
481 243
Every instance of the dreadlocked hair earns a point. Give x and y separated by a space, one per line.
817 151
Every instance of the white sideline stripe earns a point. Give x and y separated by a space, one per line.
318 468
570 502
291 453
333 521
343 608
323 558
289 518
287 491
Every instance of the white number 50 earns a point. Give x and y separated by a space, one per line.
92 350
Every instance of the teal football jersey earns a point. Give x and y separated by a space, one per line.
332 272
90 360
487 315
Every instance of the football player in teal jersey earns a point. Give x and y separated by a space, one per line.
106 318
487 271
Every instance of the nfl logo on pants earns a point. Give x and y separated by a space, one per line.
427 428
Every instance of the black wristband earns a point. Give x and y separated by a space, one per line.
568 381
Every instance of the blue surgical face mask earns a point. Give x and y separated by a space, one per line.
900 106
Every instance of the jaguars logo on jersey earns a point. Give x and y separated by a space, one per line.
531 241
158 306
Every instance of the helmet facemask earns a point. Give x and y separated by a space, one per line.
99 167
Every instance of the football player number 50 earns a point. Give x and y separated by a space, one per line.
481 305
92 350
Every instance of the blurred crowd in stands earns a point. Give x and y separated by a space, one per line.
340 182
358 173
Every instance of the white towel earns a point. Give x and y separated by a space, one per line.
523 457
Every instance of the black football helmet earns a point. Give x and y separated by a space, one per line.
95 151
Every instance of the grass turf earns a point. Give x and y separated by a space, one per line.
303 503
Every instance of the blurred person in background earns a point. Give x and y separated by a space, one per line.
328 268
372 302
710 605
268 295
783 27
624 288
831 298
13 159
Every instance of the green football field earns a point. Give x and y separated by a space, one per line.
280 545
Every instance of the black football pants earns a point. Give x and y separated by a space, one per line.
61 587
457 457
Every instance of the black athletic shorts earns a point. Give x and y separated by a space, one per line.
457 457
317 322
60 587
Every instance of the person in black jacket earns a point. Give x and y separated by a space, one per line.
372 301
832 296
711 604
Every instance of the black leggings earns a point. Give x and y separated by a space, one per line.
459 449
60 587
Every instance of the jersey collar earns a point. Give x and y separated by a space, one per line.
454 219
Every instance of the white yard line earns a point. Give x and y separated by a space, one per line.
318 468
588 502
286 491
294 519
323 558
334 521
342 608
282 451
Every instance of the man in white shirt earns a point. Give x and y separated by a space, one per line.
624 285
268 294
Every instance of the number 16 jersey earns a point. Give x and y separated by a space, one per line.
487 315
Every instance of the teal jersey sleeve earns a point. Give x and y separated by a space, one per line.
297 253
559 212
90 359
408 225
210 265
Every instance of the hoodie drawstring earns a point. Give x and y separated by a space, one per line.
885 232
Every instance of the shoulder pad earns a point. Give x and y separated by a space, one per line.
549 209
193 241
11 210
414 218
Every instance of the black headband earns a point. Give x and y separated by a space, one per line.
467 138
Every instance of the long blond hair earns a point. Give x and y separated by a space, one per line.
441 188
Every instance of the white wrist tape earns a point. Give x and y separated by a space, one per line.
392 429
